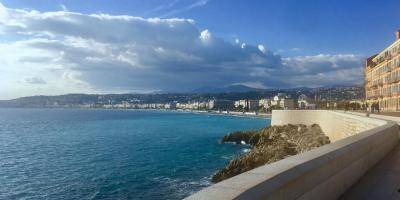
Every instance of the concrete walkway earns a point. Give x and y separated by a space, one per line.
380 182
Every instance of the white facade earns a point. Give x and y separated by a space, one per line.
266 103
247 104
281 100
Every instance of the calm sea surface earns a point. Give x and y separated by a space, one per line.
112 154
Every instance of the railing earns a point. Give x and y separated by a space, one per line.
372 64
373 86
384 58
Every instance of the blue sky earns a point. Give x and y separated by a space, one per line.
315 26
266 44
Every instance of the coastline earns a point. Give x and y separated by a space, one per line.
227 113
211 112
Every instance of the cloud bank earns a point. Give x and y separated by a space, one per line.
77 52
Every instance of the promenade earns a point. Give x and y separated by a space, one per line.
383 180
360 163
380 182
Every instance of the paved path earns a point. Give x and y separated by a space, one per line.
380 182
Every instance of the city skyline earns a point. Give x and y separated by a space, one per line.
58 47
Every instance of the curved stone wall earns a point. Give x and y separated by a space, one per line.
322 173
336 125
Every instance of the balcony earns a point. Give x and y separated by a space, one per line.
394 80
372 64
374 86
379 60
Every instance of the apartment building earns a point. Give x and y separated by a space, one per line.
283 101
248 105
382 79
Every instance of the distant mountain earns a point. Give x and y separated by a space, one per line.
227 89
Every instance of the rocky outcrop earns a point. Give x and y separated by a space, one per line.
239 137
270 145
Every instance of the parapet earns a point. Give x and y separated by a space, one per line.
326 172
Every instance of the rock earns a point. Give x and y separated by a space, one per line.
270 145
238 136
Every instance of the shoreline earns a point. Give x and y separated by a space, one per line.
211 112
226 113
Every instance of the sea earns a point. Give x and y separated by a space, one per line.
113 154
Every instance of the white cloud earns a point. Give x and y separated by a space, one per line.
322 70
34 80
63 7
262 48
205 36
323 62
76 52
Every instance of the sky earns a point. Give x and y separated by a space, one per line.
52 47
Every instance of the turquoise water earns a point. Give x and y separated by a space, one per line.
112 154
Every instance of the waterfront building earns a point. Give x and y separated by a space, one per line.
170 105
265 103
123 105
287 103
241 103
249 105
277 99
283 101
211 104
382 78
252 105
203 105
192 105
180 105
303 102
